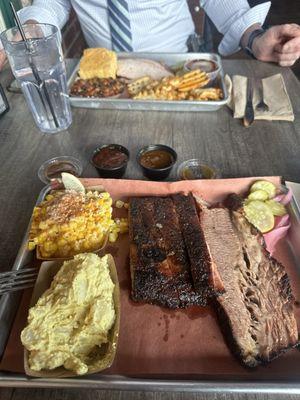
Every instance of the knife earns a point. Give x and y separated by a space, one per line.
249 111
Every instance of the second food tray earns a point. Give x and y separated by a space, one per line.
169 59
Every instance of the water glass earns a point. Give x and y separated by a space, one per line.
40 69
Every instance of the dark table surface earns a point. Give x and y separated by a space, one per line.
266 148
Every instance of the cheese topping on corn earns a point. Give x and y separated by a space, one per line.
73 317
68 223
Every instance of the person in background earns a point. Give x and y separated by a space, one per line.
166 25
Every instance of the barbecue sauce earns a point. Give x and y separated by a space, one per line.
108 157
156 159
54 170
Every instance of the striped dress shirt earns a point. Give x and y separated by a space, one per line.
156 25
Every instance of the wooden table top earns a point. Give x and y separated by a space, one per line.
266 148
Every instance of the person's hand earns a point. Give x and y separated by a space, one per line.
280 44
2 58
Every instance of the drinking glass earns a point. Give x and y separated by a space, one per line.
40 69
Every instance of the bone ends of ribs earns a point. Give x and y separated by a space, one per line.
256 310
169 260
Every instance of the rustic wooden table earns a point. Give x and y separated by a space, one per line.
266 148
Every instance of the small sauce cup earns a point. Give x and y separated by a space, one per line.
52 169
156 161
110 160
210 67
195 169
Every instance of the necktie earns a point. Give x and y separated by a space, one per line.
119 21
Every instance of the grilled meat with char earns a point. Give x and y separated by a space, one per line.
167 250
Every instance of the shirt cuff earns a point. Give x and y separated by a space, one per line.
38 14
231 41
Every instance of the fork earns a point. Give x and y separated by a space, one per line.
261 106
17 280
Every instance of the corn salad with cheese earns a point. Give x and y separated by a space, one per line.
67 223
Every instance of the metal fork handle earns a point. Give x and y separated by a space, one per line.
260 89
261 106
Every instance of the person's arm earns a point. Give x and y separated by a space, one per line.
232 18
236 20
55 12
279 44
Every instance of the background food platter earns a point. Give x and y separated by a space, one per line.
219 371
156 105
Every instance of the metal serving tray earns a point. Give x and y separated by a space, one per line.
157 105
10 302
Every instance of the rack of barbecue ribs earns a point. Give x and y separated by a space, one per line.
170 262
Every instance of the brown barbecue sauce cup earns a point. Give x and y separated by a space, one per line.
156 161
110 160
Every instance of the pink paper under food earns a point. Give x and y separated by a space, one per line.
155 341
284 198
282 224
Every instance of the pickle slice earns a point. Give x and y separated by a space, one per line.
258 195
260 215
277 208
267 186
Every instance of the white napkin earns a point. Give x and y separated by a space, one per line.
275 96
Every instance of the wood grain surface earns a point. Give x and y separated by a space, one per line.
266 148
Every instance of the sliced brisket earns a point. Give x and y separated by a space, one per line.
256 310
204 274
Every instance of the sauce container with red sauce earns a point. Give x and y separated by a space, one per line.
110 160
156 161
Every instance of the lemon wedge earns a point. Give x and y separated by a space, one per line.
277 208
258 195
267 186
260 215
70 182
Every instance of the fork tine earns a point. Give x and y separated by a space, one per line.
14 284
14 289
16 278
17 272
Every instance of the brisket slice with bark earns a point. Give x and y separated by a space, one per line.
256 310
169 260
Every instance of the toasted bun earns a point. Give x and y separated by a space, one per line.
98 63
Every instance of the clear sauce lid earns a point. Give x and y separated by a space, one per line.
52 169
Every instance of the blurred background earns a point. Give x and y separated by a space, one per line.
282 11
